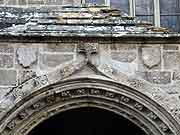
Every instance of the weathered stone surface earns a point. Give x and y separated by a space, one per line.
88 48
6 61
67 2
123 47
1 1
35 1
25 75
53 60
98 58
8 77
11 2
156 77
22 2
77 2
172 60
170 47
6 48
59 2
124 56
176 75
151 57
3 91
60 47
26 56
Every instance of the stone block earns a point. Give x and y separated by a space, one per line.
11 2
171 60
6 61
67 2
53 60
170 47
59 2
122 47
1 2
60 47
124 56
156 77
8 77
103 47
22 2
25 75
6 48
35 1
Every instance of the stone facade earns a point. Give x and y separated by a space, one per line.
137 70
154 63
128 63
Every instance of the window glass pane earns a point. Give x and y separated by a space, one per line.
170 14
144 7
171 22
146 18
169 6
98 2
144 10
121 4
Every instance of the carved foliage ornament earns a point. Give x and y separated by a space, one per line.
19 92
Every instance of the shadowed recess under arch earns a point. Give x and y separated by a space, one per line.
86 121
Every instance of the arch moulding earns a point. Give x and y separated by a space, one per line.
85 92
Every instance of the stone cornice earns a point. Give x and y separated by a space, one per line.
103 38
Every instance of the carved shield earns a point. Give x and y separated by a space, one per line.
26 56
151 56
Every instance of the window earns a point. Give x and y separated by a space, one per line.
121 4
145 10
95 2
170 14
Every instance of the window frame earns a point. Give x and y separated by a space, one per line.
132 10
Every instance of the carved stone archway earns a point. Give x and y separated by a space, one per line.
86 92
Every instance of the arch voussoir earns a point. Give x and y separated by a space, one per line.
54 99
